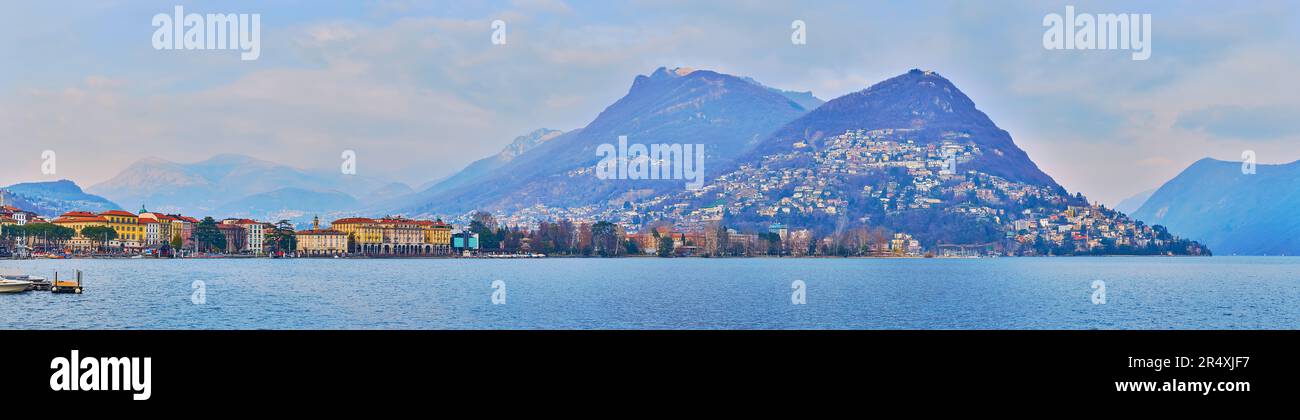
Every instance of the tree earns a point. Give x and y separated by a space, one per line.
604 239
207 237
665 246
47 233
282 237
485 226
102 234
177 241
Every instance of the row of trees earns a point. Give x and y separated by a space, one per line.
562 237
39 236
206 237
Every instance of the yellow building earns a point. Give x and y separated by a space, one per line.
127 225
319 242
6 221
438 234
364 235
78 220
395 236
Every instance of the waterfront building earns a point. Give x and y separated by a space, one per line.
184 225
236 237
254 235
438 235
129 232
6 221
256 232
904 244
365 236
150 231
395 236
78 220
465 241
319 242
159 234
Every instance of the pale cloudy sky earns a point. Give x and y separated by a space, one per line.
416 86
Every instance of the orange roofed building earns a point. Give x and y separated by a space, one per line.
318 242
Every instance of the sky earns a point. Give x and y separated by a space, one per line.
418 90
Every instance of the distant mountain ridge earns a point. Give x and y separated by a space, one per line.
1232 212
804 99
51 199
475 171
725 113
208 187
1132 204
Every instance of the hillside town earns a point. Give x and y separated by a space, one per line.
884 192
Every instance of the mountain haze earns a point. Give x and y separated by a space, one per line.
1232 212
203 188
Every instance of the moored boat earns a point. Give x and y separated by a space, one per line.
10 282
13 286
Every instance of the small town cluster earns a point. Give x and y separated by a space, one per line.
885 193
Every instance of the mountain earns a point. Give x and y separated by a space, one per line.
1132 204
925 105
483 167
726 114
201 188
910 156
51 199
1232 212
288 203
395 189
804 99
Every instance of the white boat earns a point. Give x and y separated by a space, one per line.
14 286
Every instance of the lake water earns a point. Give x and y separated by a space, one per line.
681 293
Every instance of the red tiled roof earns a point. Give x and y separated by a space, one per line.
80 219
319 232
353 220
118 213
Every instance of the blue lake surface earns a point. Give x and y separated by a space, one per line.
653 293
